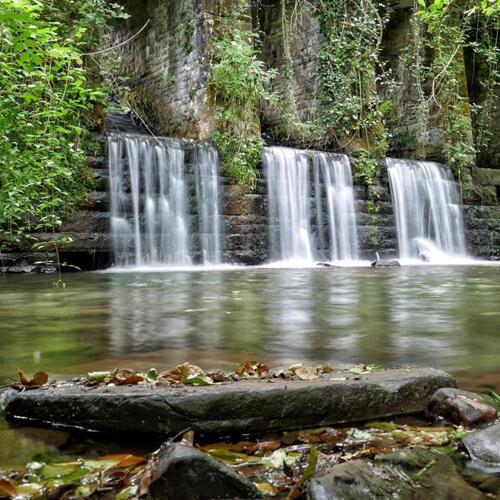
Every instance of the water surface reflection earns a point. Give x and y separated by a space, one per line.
447 317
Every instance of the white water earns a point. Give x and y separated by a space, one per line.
295 190
426 204
150 203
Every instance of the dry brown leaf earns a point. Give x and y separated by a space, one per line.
132 380
124 460
25 379
7 486
252 369
40 378
181 372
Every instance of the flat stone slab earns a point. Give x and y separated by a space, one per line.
245 406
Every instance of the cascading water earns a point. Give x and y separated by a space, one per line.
207 194
295 190
150 202
426 203
336 174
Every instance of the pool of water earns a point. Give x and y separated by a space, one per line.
447 317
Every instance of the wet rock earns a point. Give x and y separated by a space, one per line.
484 445
243 406
386 263
22 268
47 269
491 485
416 474
461 407
181 472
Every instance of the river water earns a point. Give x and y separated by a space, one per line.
446 317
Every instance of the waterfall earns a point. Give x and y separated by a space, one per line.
295 190
207 193
151 199
426 203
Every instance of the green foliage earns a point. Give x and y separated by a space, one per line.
240 155
442 28
366 168
349 69
238 81
45 102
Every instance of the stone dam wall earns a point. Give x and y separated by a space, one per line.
245 221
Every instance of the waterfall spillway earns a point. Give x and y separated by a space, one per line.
311 210
163 212
426 204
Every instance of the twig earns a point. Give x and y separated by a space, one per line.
109 49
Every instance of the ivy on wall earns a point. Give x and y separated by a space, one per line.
349 73
442 29
352 78
238 81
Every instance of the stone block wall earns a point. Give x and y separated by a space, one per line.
165 66
296 83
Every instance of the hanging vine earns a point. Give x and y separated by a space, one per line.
238 81
441 29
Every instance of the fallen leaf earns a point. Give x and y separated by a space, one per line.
278 458
197 380
311 464
25 379
128 492
357 434
382 426
227 454
85 490
266 488
30 489
8 487
252 369
268 446
123 460
181 373
132 380
303 372
40 378
97 376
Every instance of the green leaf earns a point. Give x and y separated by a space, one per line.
197 380
97 376
312 464
152 374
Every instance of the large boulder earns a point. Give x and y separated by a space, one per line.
416 474
484 445
181 472
244 406
461 407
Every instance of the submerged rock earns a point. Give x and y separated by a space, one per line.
484 445
461 407
244 406
386 263
417 474
182 472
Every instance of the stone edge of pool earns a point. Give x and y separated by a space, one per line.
247 406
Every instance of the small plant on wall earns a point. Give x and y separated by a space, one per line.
238 81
